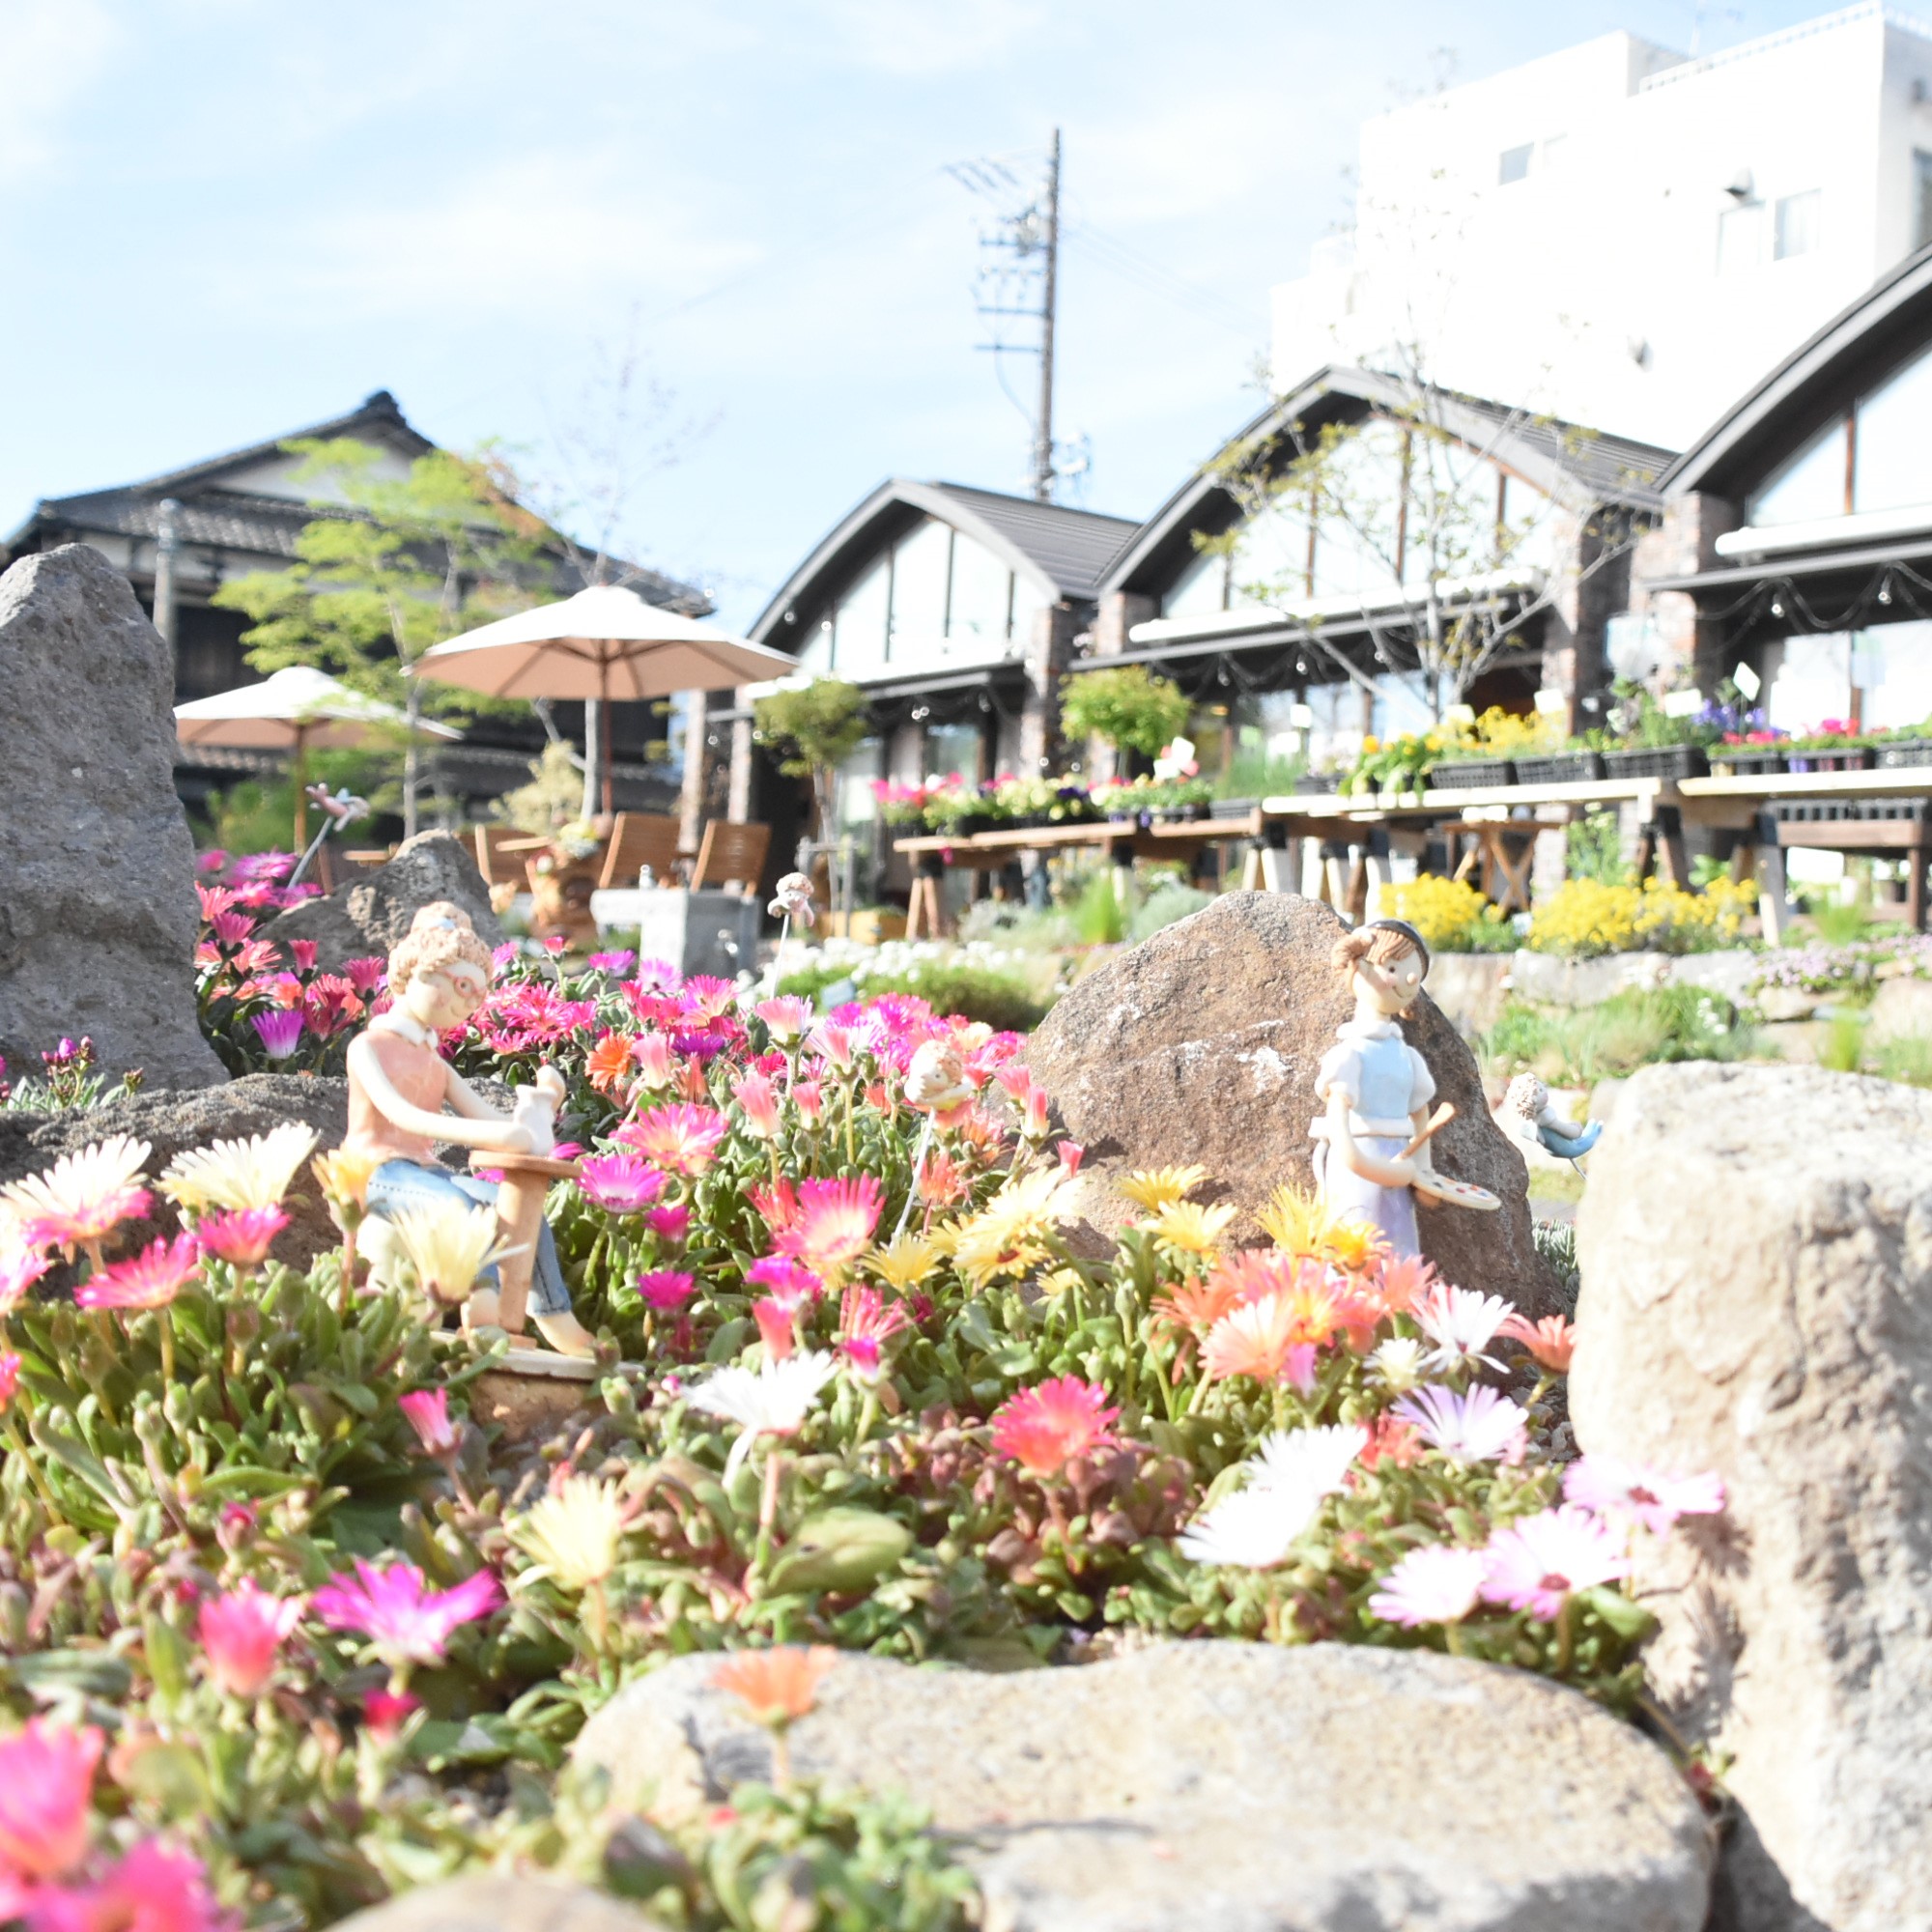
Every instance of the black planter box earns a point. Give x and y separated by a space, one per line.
1740 761
1312 782
1849 810
1853 758
1471 774
1663 761
1560 768
1232 808
1904 752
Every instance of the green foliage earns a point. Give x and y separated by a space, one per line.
814 728
257 815
552 798
1164 908
1132 708
1593 849
1098 917
1578 1046
1003 1000
1254 772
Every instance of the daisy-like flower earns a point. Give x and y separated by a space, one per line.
1397 1363
344 1179
448 1247
665 1289
9 1380
836 1219
1274 1338
155 1887
280 1030
772 1399
1013 1231
1462 1324
616 964
1185 1228
865 1323
669 1224
46 1785
777 1685
681 1137
20 1268
785 1017
1300 1223
400 1614
1198 1305
574 1532
1551 1342
1400 1282
1155 1188
789 1283
620 1183
1440 1584
1479 1427
1541 1560
242 1235
1045 1426
940 1182
150 1279
775 1328
365 975
254 1173
241 1634
656 1060
427 1412
832 1044
809 1097
904 1262
758 1099
1630 1492
1286 1484
609 1060
82 1196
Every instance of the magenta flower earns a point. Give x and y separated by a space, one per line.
428 1414
281 1031
666 1290
683 1138
788 1283
20 1269
303 952
154 1889
1440 1585
620 1183
150 1279
1542 1560
46 1785
243 1236
669 1224
365 975
776 1328
1474 1427
758 1101
865 1324
404 1619
613 963
241 1634
832 1044
1043 1428
836 1219
9 1380
1630 1492
387 1712
231 929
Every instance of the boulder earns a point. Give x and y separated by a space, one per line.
500 1902
1756 1248
97 915
1239 1786
1902 1010
373 911
1203 1045
1471 988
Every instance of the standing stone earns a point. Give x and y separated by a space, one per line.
373 911
1756 1248
1202 1045
97 915
1235 1787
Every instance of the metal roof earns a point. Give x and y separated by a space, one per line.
1074 547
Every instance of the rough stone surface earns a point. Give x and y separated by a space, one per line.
1902 1010
172 1122
529 1408
1470 988
1546 979
500 1902
97 870
1757 1249
373 911
1203 1045
1235 1786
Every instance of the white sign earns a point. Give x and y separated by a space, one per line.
1550 703
1682 703
1747 681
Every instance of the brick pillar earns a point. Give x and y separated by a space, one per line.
1683 543
1589 585
739 791
1048 652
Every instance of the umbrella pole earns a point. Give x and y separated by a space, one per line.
604 734
302 782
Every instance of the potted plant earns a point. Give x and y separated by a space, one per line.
1648 739
1835 745
1129 707
814 728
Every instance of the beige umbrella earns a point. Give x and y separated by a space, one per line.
605 642
297 710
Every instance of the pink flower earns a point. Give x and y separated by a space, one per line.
428 1414
154 1889
1071 1153
786 1017
20 1269
1043 1428
775 1328
555 945
651 1053
235 1525
666 1290
281 1032
1540 1561
613 963
303 952
620 1183
836 1219
865 1323
365 975
241 1633
1474 1427
231 929
46 1784
242 1235
832 1044
1630 1492
809 1096
396 1610
669 1224
681 1137
150 1279
789 1284
759 1099
1440 1585
386 1712
9 1380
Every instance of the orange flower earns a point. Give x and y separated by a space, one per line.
1355 1245
609 1060
777 1685
1393 1440
986 1137
1196 1304
1252 1340
1552 1340
941 1184
1400 1282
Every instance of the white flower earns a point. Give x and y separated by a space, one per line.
574 1532
1462 1324
1287 1480
448 1246
254 1173
1473 1428
772 1399
1397 1363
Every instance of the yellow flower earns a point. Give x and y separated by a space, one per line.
1155 1188
1438 908
575 1533
906 1262
1013 1231
344 1176
1351 1245
1187 1228
1060 1281
448 1247
254 1173
1371 743
1298 1223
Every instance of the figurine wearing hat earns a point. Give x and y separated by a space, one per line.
1372 1152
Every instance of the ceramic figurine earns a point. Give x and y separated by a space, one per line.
1529 1114
1371 1157
399 1085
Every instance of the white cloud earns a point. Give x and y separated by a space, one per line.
52 49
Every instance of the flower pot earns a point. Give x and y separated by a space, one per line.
1656 762
1472 774
1560 768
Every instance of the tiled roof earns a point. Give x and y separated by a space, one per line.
1074 547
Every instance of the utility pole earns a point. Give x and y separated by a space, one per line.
1042 448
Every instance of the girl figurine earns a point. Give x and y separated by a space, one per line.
399 1084
1376 1090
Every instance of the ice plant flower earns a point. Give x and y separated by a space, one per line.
254 1173
1480 1427
1462 1324
46 1784
344 1179
1270 1339
904 1262
772 1399
1013 1231
1630 1492
1551 1342
9 1380
620 1183
575 1533
1397 1363
777 1686
758 1101
669 1224
448 1247
775 1328
789 1283
809 1096
83 1196
156 1888
1045 1426
665 1289
150 1279
427 1411
1440 1584
386 1712
1287 1483
241 1634
404 1619
681 1137
241 1235
836 1219
1540 1561
865 1323
785 1017
365 975
616 964
20 1268
1069 1154
1155 1188
652 1055
1187 1228
280 1030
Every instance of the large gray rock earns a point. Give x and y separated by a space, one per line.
1241 1787
97 912
373 911
500 1902
1757 1249
1902 1010
1203 1044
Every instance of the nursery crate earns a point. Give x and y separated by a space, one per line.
1731 762
1233 808
1560 768
1471 774
1902 752
1661 761
1850 811
1853 758
1317 782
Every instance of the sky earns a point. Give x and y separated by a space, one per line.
223 220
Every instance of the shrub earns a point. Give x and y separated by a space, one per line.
1131 708
1576 1047
1585 919
1451 915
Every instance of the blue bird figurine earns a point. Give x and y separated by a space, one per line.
1529 1114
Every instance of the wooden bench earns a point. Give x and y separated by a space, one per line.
731 854
639 840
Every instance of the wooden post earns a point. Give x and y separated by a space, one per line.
520 1202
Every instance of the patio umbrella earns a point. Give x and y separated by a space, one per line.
605 644
297 710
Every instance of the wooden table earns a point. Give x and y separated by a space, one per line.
519 1205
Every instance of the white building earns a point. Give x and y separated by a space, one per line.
1621 236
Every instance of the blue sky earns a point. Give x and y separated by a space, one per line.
221 219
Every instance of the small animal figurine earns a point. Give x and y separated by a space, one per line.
1528 1114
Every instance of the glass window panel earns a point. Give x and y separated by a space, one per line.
1810 486
1201 587
858 803
981 595
1813 682
1899 687
1513 165
817 654
1921 197
861 622
1028 603
1797 230
919 592
1741 238
1893 463
954 751
1270 560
